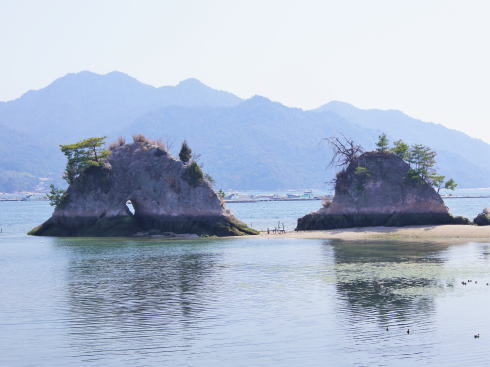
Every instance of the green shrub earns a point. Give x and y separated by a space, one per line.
209 178
193 174
55 196
360 170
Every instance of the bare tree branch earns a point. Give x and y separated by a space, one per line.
344 151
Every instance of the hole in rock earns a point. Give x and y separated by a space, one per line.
130 206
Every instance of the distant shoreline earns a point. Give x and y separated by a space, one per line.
271 199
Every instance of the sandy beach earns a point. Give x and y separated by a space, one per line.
451 233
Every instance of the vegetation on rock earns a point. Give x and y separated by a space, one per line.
193 174
422 161
383 143
85 153
360 170
185 153
344 151
81 155
55 196
401 149
392 186
168 196
421 158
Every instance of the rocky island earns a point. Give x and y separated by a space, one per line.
380 188
169 196
483 219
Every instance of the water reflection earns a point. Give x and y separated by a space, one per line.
153 296
387 281
263 302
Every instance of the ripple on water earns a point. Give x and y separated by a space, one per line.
242 302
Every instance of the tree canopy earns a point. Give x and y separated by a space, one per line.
422 161
185 153
85 153
80 155
383 143
401 149
55 196
421 158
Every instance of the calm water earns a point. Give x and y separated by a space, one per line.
239 302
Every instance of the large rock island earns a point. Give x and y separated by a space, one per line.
166 196
379 189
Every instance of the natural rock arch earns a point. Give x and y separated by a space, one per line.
163 200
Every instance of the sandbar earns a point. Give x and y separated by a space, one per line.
447 233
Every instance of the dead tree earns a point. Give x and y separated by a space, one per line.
344 151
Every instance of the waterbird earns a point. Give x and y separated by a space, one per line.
477 336
387 328
408 331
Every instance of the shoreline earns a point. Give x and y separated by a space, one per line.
450 232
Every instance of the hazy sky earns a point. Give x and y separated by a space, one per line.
428 58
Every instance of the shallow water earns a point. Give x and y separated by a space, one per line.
237 302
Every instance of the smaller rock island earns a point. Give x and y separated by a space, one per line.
379 189
483 219
167 196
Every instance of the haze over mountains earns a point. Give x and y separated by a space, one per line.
243 144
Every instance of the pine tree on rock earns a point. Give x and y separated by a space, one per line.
185 153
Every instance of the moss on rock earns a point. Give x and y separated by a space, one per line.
154 225
334 221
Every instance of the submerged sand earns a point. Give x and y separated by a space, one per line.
448 233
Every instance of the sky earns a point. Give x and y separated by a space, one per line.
428 58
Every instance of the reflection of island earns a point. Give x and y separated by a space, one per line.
127 294
383 281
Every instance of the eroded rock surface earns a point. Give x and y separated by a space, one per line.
377 190
163 200
483 219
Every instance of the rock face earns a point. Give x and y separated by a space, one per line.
377 190
483 219
164 200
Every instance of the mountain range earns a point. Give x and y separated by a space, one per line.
253 143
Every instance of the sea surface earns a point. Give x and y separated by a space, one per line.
240 302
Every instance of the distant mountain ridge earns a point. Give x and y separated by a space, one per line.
399 125
244 144
88 101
